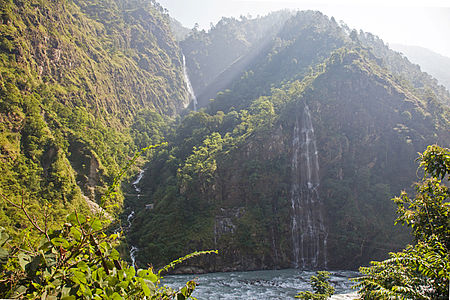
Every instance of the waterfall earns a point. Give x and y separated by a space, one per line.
133 251
130 217
136 182
309 236
189 85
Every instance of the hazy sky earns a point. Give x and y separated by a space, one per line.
410 22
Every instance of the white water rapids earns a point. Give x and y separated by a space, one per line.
260 285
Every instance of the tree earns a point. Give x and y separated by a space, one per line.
420 271
322 288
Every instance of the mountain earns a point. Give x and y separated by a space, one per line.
312 128
218 59
431 62
77 81
294 162
231 41
401 67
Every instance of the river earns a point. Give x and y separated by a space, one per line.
262 285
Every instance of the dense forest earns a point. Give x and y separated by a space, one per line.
83 87
302 131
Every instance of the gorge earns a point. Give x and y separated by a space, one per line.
299 132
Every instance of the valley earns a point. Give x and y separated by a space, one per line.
280 140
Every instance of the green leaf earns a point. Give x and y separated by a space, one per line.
83 266
96 225
24 259
116 296
144 286
80 276
148 274
123 284
72 218
4 236
4 254
59 241
130 272
76 233
114 255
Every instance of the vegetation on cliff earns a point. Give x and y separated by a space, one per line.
82 87
79 258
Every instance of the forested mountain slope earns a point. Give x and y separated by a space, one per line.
429 61
82 84
295 164
230 41
226 58
292 164
402 67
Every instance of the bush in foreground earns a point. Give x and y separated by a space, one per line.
79 261
420 271
321 286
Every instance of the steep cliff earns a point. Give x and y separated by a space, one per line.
73 77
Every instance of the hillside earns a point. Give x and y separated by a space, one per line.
211 54
431 62
77 79
294 164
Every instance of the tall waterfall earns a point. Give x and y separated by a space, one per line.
309 236
189 85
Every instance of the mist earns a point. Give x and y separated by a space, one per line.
420 23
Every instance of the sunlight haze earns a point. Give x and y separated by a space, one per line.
421 23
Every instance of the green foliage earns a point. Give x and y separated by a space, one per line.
435 161
77 99
79 261
321 287
421 271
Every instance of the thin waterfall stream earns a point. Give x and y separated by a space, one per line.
130 217
189 85
309 235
